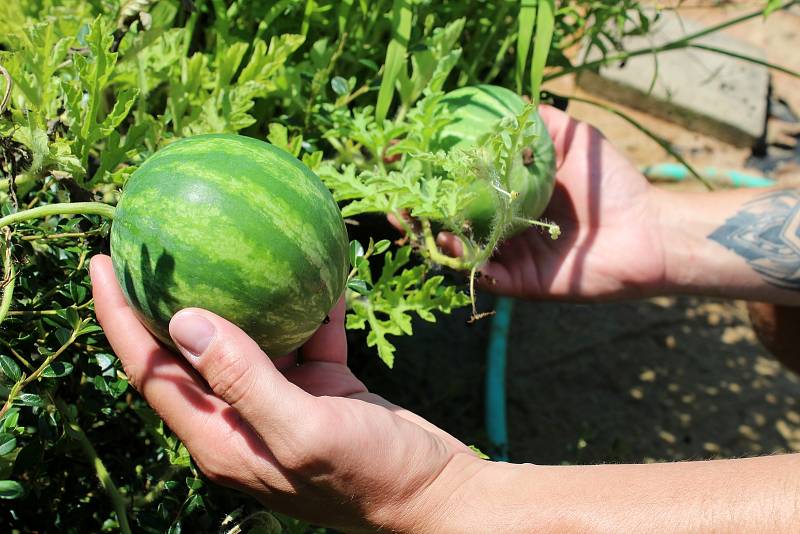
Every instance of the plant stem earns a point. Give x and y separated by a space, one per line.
433 250
663 143
106 482
16 354
475 315
743 57
59 236
66 208
37 374
683 42
8 278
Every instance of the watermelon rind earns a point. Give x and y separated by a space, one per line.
475 112
236 226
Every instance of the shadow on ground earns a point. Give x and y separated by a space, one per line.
654 380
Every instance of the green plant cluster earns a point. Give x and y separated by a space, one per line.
90 88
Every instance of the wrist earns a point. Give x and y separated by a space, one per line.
438 507
695 262
471 494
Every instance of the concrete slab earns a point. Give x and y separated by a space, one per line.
701 90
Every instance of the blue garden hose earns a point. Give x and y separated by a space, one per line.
676 172
496 426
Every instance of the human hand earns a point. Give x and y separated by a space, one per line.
301 434
610 244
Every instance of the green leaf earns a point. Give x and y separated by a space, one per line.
57 370
10 368
545 20
118 387
526 23
355 251
382 246
7 443
398 293
122 106
431 64
63 335
772 6
10 419
266 62
77 292
395 56
29 399
358 285
193 503
194 483
343 14
100 384
339 85
89 329
11 489
279 136
482 455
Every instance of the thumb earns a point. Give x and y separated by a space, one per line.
238 371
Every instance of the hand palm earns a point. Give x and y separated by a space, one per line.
300 427
602 204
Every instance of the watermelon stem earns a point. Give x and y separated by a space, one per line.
435 255
65 208
475 315
553 229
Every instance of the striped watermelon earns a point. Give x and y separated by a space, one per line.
476 111
236 226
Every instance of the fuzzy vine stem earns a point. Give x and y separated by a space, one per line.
433 250
9 277
106 482
66 208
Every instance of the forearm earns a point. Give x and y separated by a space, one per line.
748 495
736 244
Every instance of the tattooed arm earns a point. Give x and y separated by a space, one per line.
738 244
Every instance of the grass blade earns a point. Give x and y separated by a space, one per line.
545 21
683 42
663 143
527 21
343 14
743 57
309 10
395 55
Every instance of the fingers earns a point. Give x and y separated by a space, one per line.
239 373
164 379
152 369
329 343
561 128
450 244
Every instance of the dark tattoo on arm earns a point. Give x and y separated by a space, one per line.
766 233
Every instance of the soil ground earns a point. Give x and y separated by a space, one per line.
653 380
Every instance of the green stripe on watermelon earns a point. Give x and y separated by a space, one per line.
476 112
236 226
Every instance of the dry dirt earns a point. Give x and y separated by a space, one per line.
653 380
